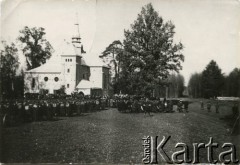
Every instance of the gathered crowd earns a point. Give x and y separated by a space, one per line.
147 105
15 112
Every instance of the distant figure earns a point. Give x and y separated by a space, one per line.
217 107
209 107
165 104
185 103
146 107
202 105
180 104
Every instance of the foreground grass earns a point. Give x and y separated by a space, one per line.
109 136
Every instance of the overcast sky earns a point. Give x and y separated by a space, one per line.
209 29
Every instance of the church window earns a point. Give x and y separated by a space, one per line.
67 85
56 79
68 70
70 60
66 60
33 83
45 78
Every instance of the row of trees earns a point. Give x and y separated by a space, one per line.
36 50
212 82
147 55
176 85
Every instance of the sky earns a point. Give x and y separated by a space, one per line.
208 29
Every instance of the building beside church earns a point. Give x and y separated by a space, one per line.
72 69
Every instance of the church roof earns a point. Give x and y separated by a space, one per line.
51 66
85 84
68 48
92 59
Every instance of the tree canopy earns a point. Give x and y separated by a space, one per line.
149 53
209 83
111 55
35 47
232 83
212 80
9 65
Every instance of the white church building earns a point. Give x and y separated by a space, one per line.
71 69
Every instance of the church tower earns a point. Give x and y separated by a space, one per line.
76 40
71 60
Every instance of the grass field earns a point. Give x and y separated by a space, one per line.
112 137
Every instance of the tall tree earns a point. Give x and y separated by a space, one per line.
9 65
212 80
150 52
112 57
232 83
35 47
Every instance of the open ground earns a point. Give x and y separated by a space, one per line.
112 137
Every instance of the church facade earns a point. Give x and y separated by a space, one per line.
72 69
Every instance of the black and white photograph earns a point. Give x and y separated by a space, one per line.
120 81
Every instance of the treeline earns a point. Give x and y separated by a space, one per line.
211 83
175 85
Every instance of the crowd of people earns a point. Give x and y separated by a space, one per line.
146 105
14 112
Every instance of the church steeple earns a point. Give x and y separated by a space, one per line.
76 39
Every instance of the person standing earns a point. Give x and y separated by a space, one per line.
78 104
209 106
217 107
164 104
67 109
186 106
180 106
145 107
202 105
35 111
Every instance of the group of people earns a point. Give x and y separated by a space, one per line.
209 104
146 105
14 112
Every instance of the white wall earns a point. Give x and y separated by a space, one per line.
96 76
40 83
69 77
